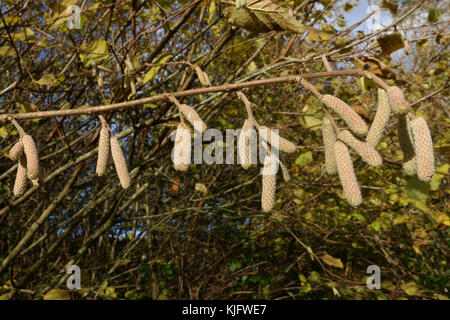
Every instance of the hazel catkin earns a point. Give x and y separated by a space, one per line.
32 156
20 182
366 151
103 150
397 100
193 117
423 146
329 139
407 145
350 117
16 151
347 174
268 183
278 141
381 119
244 144
120 163
181 154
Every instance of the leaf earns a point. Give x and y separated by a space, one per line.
97 51
154 70
304 158
4 132
7 51
47 80
201 188
417 190
436 181
390 5
331 261
411 288
26 107
390 43
434 15
235 265
57 294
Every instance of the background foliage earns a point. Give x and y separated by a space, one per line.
201 234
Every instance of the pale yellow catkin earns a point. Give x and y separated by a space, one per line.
397 100
103 151
350 117
283 144
31 153
193 117
120 162
366 151
268 185
244 144
329 139
347 174
381 119
20 182
423 146
407 145
181 145
16 151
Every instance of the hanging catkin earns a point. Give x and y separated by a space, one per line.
268 183
120 163
347 174
350 117
381 119
244 143
20 183
103 151
397 100
16 151
31 153
329 139
193 117
407 145
365 150
283 144
182 148
423 146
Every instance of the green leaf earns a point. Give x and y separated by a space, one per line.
436 181
331 261
154 70
26 107
417 190
235 265
304 158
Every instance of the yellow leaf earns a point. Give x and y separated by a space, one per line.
57 294
335 262
154 70
411 288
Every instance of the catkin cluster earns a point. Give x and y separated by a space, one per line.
347 174
109 144
423 147
269 184
365 150
26 153
329 139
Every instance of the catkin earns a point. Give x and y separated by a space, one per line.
268 184
181 150
397 100
31 153
407 145
283 144
103 151
244 144
347 174
120 163
423 146
329 139
16 151
193 117
20 183
350 117
380 121
365 150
